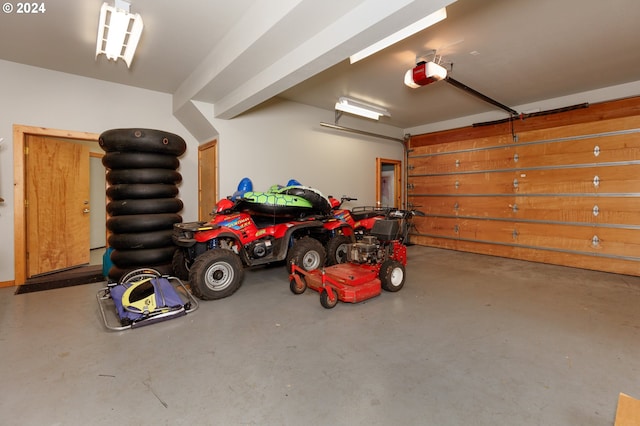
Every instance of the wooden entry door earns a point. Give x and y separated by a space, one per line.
57 204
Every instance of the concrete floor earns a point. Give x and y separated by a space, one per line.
470 340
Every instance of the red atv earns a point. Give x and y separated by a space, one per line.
374 263
212 255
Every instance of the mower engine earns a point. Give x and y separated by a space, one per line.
368 251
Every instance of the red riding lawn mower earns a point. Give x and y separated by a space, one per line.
349 226
374 263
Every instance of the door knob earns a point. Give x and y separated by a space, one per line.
86 211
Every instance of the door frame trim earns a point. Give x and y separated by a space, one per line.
397 185
20 133
212 144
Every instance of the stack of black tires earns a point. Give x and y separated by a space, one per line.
142 191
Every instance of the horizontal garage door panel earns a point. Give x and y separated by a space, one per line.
567 195
594 210
583 180
583 129
614 148
621 266
464 145
598 241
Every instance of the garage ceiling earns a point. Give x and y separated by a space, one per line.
236 55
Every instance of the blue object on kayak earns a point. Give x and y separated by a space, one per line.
244 186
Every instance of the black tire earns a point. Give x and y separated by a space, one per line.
337 249
139 191
142 140
142 222
128 258
139 160
326 301
392 275
307 253
216 274
144 206
180 265
115 177
298 288
141 240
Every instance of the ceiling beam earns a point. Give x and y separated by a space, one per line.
234 82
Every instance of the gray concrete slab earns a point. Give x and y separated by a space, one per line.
469 340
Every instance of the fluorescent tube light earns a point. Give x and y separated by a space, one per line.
362 109
420 25
118 32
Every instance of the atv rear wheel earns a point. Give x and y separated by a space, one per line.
337 249
307 253
392 275
216 274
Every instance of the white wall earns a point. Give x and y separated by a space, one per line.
271 144
36 97
284 140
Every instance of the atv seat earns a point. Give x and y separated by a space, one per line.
366 212
386 230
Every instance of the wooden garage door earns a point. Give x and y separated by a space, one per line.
567 195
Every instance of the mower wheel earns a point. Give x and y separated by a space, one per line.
216 274
326 301
337 249
308 253
298 287
392 275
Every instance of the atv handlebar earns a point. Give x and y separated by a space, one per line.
403 214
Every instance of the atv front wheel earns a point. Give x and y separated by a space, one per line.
307 253
216 274
392 275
